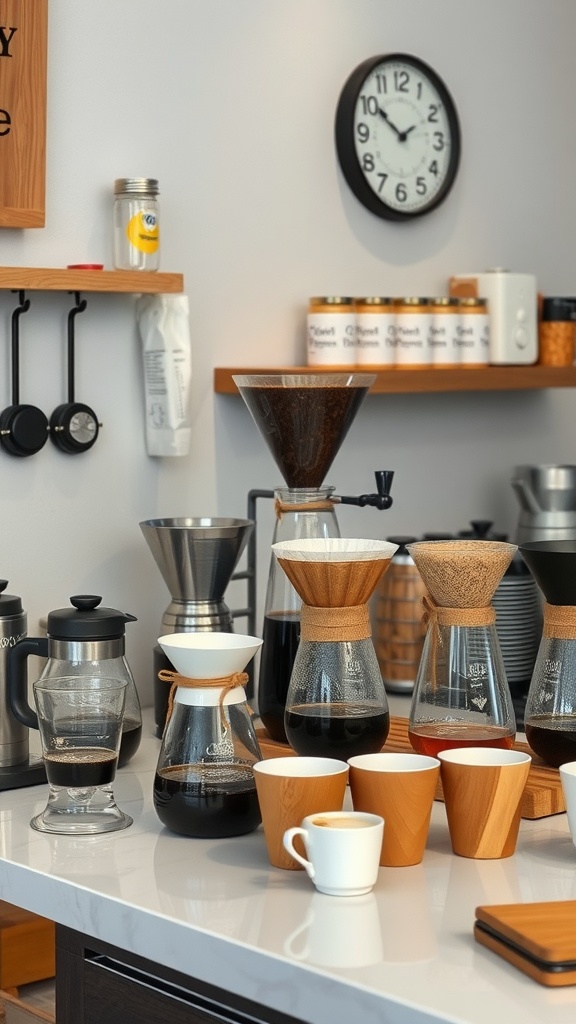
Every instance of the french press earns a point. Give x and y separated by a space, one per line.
84 639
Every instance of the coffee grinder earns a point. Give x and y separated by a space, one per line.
196 557
303 419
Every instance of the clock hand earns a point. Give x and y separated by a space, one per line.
389 122
402 136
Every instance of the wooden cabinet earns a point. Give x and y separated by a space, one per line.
97 982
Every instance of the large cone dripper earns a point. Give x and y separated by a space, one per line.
550 714
461 696
196 557
304 418
336 704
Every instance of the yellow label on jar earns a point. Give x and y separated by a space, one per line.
142 231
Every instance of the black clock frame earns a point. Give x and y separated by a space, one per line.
345 142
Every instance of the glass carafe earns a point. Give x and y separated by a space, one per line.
301 513
204 784
550 714
336 704
461 696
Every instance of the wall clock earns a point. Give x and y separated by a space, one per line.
397 136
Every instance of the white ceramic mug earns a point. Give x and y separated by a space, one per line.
568 781
343 849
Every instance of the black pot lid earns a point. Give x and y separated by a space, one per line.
9 603
86 621
553 565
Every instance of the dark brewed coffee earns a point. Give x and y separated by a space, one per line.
336 730
281 636
552 737
207 801
303 426
131 736
80 767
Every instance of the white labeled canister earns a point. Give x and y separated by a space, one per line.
412 332
474 332
375 331
136 224
444 320
332 337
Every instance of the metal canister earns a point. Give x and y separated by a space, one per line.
398 631
136 224
474 332
412 332
376 331
332 337
13 735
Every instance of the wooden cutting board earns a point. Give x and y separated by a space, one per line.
543 795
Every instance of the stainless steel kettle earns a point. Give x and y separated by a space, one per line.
81 639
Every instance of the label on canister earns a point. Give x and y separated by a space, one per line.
444 319
474 333
332 337
376 334
142 231
413 333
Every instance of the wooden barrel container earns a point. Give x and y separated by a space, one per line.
397 629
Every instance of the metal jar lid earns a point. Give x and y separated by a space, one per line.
86 621
9 603
136 186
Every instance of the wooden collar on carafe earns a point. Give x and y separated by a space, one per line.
331 625
223 683
559 621
440 615
324 505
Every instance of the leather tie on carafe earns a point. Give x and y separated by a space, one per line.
280 507
224 683
435 615
559 621
333 625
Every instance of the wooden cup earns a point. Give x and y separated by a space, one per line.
483 788
291 788
401 788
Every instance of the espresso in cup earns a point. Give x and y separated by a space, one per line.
342 822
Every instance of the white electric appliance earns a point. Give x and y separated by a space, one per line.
513 310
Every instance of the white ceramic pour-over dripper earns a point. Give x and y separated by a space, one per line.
209 656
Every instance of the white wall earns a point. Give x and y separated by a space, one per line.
230 103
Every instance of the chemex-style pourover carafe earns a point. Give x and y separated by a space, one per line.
461 697
336 704
82 640
196 557
204 783
550 714
303 419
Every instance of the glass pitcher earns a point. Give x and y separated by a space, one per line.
204 784
461 697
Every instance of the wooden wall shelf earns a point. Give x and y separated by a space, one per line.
397 381
53 279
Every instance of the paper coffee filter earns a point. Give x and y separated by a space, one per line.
462 573
334 573
334 549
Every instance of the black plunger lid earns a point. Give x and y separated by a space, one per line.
553 565
86 621
9 603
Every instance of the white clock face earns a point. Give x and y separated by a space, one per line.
398 136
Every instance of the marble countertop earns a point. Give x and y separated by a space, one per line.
217 910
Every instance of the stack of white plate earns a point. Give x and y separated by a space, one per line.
518 605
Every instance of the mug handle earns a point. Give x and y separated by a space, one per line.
289 847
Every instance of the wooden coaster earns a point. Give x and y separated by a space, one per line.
543 795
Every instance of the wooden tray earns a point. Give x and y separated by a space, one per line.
543 795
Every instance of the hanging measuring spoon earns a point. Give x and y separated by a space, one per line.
74 427
23 428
